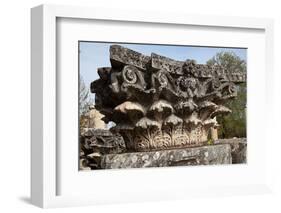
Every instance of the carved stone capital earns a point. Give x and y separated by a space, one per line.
160 103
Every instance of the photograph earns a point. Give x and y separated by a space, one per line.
137 105
157 105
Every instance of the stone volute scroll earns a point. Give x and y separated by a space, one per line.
158 103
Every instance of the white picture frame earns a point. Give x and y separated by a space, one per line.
44 148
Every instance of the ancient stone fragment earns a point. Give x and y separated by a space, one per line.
93 119
103 141
159 103
96 142
205 155
238 149
120 56
159 62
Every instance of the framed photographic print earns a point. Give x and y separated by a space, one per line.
149 106
154 111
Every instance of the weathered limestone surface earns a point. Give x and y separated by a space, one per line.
205 155
102 141
238 149
120 56
96 142
159 103
93 119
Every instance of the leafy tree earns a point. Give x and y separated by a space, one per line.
234 124
230 61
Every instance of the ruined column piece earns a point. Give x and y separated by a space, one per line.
160 103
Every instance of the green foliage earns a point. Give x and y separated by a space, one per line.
230 61
234 124
210 142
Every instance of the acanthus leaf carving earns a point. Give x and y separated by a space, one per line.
160 103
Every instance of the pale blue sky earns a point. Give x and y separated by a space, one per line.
94 55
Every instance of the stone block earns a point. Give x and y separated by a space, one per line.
205 155
238 149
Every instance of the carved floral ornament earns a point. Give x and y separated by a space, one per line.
160 103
